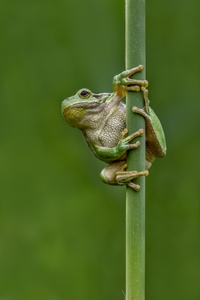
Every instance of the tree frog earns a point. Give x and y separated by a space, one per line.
102 120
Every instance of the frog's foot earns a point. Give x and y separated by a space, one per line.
125 145
134 84
123 82
126 177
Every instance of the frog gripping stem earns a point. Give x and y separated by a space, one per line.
126 177
123 83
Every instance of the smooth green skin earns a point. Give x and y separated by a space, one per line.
102 120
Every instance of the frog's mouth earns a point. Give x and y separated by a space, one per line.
83 105
76 113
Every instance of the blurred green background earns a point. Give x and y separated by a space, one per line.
62 231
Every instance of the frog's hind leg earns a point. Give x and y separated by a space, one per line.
116 174
108 174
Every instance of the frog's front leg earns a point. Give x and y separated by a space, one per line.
113 154
116 174
123 83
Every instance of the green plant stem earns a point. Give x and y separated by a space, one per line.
135 201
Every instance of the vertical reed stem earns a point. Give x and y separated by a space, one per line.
135 201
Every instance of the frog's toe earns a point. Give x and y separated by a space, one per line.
132 136
134 186
145 84
133 88
135 70
139 111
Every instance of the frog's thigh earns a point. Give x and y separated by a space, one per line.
108 174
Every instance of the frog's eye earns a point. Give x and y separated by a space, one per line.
84 94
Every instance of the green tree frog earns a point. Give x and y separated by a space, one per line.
102 120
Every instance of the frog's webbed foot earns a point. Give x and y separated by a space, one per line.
122 82
126 177
124 142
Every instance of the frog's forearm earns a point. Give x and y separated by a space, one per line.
108 154
114 153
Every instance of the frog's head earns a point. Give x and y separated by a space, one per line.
83 97
76 107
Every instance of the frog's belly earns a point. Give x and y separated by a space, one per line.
111 133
